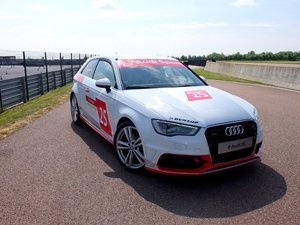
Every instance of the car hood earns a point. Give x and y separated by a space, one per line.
200 106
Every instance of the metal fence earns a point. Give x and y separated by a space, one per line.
20 87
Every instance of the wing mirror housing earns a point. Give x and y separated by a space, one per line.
186 63
104 83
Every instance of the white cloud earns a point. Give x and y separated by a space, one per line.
122 13
239 3
106 4
186 26
39 7
109 8
261 24
197 25
10 17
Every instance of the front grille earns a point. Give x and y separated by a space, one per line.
216 135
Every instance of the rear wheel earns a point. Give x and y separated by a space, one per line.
75 114
129 147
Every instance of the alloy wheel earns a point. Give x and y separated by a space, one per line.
129 147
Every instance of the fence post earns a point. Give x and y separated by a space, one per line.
61 70
26 81
24 89
65 79
47 78
79 63
54 80
1 106
72 64
41 84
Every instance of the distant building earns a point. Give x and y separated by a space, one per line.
7 58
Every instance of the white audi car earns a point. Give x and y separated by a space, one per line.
161 116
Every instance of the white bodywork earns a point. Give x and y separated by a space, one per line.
103 110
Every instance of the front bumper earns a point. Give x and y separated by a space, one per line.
203 164
199 154
207 167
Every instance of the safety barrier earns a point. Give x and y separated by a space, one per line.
287 76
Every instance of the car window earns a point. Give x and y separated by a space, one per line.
105 70
90 68
155 74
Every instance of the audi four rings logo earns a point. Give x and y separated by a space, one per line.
234 130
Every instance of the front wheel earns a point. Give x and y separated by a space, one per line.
129 147
75 114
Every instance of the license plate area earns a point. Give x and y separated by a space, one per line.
236 145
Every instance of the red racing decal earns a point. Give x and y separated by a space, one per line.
197 95
148 62
102 114
79 78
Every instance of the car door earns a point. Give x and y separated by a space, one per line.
102 100
84 85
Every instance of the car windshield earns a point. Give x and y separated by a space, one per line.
156 73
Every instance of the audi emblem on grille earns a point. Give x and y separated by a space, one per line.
234 130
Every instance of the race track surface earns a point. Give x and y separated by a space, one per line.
52 172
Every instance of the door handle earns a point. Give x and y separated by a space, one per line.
87 90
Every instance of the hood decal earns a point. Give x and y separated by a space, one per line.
197 95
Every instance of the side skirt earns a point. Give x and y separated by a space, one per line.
100 132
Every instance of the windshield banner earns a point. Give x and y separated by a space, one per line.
148 62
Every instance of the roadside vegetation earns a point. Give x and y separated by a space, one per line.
265 61
287 56
17 117
218 76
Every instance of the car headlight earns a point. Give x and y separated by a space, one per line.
172 129
256 116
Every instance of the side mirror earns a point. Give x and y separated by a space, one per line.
203 78
103 83
186 63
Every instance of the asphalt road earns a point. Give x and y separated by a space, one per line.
52 172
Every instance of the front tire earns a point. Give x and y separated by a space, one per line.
75 114
129 147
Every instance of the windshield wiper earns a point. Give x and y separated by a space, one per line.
186 85
138 87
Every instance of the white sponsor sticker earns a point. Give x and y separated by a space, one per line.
236 145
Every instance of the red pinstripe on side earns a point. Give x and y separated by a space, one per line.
102 134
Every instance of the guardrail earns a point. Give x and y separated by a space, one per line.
286 76
26 75
19 90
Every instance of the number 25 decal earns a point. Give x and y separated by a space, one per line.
197 95
102 114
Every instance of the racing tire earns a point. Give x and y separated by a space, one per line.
75 113
129 147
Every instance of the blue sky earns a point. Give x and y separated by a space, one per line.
163 27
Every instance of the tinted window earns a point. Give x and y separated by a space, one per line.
90 68
105 70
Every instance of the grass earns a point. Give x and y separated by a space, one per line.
218 76
263 61
17 117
